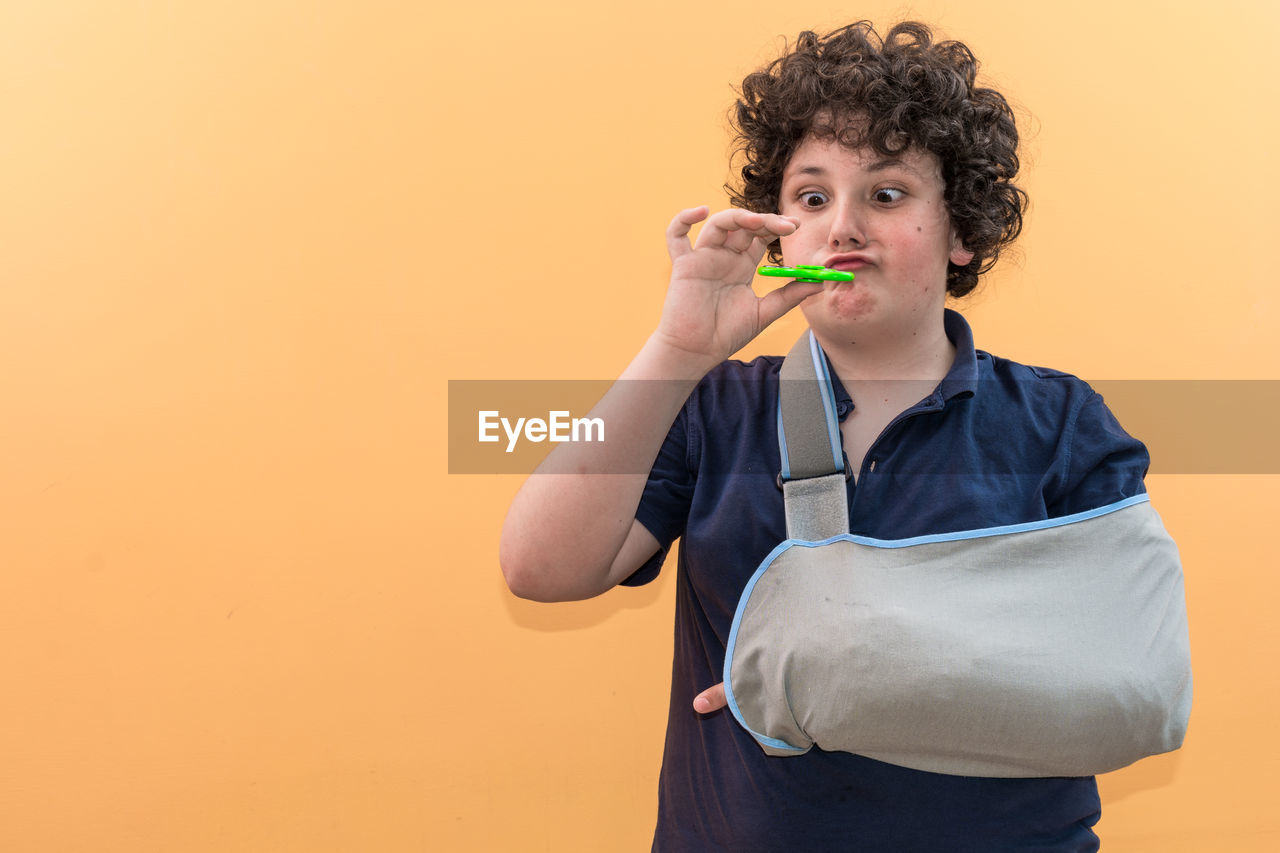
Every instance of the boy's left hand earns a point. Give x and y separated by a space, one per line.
711 699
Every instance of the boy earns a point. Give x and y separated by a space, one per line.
881 157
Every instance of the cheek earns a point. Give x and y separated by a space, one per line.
803 246
930 247
788 247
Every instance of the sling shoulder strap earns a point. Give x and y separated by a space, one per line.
813 465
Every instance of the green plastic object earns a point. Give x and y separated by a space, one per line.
807 272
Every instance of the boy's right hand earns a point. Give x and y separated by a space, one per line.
711 311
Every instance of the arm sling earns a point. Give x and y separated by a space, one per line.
1052 648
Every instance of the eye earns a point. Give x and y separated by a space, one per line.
812 198
888 195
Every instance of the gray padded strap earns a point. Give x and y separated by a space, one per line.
813 476
817 508
809 434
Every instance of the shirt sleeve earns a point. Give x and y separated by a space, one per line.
1103 463
664 505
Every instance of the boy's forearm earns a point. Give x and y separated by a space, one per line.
570 519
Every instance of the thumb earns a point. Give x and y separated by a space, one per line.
711 699
778 302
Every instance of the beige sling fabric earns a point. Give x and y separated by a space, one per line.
1051 651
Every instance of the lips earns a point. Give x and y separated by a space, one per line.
847 262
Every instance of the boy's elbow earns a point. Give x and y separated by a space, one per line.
516 572
529 580
525 585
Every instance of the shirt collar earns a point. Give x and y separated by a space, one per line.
961 380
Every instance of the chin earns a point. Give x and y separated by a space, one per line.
841 305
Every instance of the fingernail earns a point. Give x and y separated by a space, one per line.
702 703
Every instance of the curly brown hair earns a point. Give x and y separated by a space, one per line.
892 94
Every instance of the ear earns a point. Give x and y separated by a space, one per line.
960 256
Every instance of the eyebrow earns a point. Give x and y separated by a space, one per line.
890 162
879 165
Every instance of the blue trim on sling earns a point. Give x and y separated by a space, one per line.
980 533
782 442
828 402
728 663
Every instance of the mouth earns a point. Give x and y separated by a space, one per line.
847 262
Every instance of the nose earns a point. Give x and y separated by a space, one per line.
848 229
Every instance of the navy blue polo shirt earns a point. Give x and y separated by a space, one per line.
996 443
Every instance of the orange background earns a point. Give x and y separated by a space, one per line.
246 244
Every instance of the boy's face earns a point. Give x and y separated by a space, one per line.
881 218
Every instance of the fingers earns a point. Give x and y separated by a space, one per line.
736 229
678 230
733 229
711 699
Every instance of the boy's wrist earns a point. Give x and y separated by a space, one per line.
660 359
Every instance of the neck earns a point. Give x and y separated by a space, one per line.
924 354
